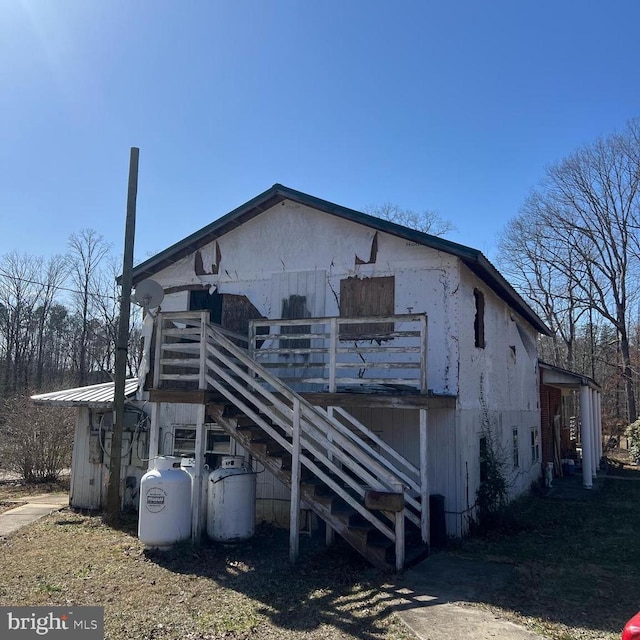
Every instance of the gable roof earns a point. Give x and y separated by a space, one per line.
472 258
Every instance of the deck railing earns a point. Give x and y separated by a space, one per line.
326 441
334 352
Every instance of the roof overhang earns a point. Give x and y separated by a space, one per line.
472 258
564 379
97 396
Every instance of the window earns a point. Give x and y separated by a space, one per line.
535 446
295 307
516 449
218 443
362 297
478 323
483 459
205 301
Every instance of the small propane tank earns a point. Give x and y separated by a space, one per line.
231 512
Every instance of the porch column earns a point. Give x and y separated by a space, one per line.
598 417
585 435
198 471
594 431
154 434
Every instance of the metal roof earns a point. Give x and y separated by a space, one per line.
95 396
472 258
559 377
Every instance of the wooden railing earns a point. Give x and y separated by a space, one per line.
325 441
333 352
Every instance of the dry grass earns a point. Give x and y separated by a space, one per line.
19 490
213 591
577 563
576 575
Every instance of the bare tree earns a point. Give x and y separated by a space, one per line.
528 259
87 251
427 221
53 276
20 291
586 212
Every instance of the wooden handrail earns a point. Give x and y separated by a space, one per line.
329 438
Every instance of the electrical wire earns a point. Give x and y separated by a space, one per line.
58 287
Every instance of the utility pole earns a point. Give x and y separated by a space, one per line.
115 461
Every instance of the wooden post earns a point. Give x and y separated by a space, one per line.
158 351
294 516
400 534
203 350
115 461
424 478
154 434
333 353
196 491
252 340
329 536
423 353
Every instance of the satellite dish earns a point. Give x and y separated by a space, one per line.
148 294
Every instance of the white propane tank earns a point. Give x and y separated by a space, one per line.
231 513
189 465
165 504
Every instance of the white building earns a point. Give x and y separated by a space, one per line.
387 412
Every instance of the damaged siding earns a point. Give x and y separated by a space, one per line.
292 250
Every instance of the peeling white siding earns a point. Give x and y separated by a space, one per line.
295 249
90 463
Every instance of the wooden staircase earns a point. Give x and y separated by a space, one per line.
362 488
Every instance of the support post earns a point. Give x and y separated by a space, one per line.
400 532
114 489
599 421
425 523
594 434
154 434
158 351
294 515
423 352
329 536
204 317
333 353
198 471
585 434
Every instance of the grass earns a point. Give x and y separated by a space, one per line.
576 562
211 591
576 575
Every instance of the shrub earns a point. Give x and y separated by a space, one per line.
633 433
35 441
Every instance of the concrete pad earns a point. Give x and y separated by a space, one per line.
61 499
14 519
433 594
452 622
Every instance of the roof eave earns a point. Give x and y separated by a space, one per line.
473 258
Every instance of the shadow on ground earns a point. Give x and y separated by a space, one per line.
572 563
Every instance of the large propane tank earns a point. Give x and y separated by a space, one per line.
189 465
165 503
231 513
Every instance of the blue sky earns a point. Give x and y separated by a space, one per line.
454 106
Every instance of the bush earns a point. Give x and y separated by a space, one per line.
35 441
633 433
